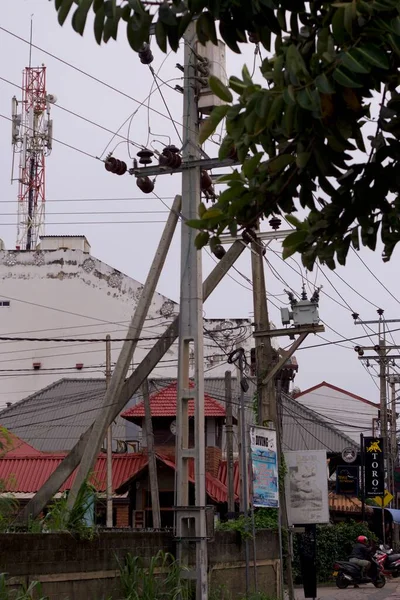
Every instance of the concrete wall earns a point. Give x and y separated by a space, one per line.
88 570
70 293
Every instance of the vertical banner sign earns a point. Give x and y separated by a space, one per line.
264 460
374 467
307 487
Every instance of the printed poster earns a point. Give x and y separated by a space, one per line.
264 467
307 487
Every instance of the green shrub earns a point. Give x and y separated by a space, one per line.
334 542
264 518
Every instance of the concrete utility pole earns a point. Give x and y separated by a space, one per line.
229 442
109 441
266 398
155 498
190 521
130 387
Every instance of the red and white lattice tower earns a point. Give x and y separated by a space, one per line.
32 139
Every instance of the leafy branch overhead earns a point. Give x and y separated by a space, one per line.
300 137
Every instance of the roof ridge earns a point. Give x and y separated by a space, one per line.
336 388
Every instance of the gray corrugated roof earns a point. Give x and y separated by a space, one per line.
53 419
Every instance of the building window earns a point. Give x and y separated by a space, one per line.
4 303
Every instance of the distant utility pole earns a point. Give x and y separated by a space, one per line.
155 498
109 441
384 357
229 443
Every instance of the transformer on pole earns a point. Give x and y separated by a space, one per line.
32 133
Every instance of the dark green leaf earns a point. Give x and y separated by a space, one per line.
99 25
80 16
324 85
295 238
354 62
237 85
295 62
220 89
201 239
302 159
346 79
161 36
137 6
228 32
205 27
280 162
208 126
374 55
166 15
64 10
250 165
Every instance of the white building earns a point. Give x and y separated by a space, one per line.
61 291
349 413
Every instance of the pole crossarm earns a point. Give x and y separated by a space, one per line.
202 163
290 331
282 361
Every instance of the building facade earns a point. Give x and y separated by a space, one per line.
60 291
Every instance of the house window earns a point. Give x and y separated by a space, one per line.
4 303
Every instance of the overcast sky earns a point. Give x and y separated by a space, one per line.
123 240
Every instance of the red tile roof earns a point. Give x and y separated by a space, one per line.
163 404
11 445
28 473
223 475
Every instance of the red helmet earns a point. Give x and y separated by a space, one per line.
362 539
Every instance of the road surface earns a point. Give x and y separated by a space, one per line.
391 591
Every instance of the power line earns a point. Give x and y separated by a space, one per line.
375 277
71 112
141 222
82 72
144 199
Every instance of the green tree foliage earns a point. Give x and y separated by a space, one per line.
295 135
334 542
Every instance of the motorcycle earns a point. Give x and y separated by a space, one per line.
389 562
347 573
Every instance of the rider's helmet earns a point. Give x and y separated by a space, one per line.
362 539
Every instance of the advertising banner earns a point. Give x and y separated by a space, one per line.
374 467
264 459
347 477
307 487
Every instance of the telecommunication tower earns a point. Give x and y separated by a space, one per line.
32 133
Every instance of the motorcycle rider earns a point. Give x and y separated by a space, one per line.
361 555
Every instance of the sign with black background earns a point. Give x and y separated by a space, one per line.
347 480
374 467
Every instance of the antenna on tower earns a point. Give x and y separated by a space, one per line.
32 132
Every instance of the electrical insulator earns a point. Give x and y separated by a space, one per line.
145 156
219 251
275 223
170 157
145 184
113 165
254 37
145 54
